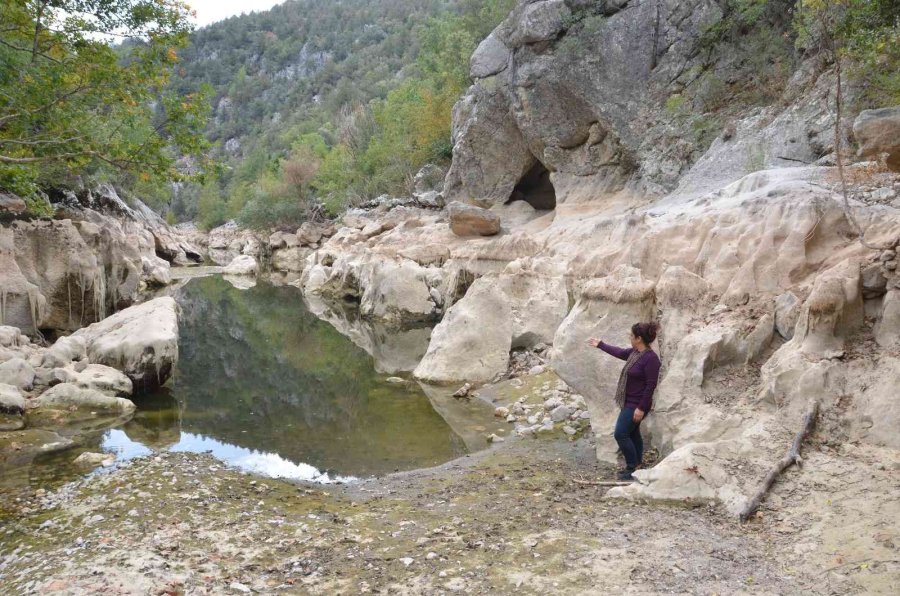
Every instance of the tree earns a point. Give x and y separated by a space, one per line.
866 34
71 101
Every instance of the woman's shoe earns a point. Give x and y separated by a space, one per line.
625 474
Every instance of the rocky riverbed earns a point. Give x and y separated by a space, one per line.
521 517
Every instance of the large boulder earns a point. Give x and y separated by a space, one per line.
532 22
490 57
473 340
242 265
141 341
606 309
11 204
878 133
469 220
65 350
96 377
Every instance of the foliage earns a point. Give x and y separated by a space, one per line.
864 32
367 87
71 103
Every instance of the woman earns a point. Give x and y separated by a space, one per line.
634 394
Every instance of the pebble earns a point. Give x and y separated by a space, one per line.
560 413
569 430
552 403
407 561
492 438
239 587
537 370
511 418
396 380
501 412
431 556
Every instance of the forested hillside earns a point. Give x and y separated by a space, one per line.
335 100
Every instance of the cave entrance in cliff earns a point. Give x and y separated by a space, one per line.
535 188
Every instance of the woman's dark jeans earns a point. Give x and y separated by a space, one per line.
628 436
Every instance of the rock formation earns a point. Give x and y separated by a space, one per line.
610 215
92 260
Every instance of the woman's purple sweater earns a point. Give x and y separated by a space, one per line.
642 377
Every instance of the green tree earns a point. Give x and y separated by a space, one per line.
70 101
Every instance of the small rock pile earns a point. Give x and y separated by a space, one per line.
531 361
561 409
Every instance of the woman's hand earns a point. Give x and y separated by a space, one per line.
638 415
594 342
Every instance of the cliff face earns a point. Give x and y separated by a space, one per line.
90 261
596 91
612 211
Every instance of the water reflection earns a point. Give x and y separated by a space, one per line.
268 386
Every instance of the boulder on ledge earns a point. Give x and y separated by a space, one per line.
141 341
878 132
242 265
469 220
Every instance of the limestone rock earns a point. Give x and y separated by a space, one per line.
532 22
607 309
887 329
98 377
469 220
694 474
11 204
12 408
68 395
290 259
90 459
473 340
538 304
11 337
490 57
141 341
430 178
787 311
242 265
65 350
18 373
311 233
878 132
156 271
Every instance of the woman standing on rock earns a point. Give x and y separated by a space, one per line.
634 394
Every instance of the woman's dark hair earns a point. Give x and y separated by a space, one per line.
646 331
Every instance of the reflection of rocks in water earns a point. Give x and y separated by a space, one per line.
393 350
258 370
241 282
471 419
157 423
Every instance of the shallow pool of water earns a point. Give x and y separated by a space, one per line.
269 387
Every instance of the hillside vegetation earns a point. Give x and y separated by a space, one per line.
340 101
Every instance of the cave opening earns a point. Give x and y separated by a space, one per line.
535 188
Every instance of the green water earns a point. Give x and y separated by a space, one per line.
269 387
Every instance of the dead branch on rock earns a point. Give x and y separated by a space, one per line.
600 482
792 457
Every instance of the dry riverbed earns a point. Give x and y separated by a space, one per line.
504 520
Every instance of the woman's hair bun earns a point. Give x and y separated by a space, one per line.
646 331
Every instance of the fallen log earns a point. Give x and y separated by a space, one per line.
792 457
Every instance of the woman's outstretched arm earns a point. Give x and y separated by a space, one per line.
620 353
